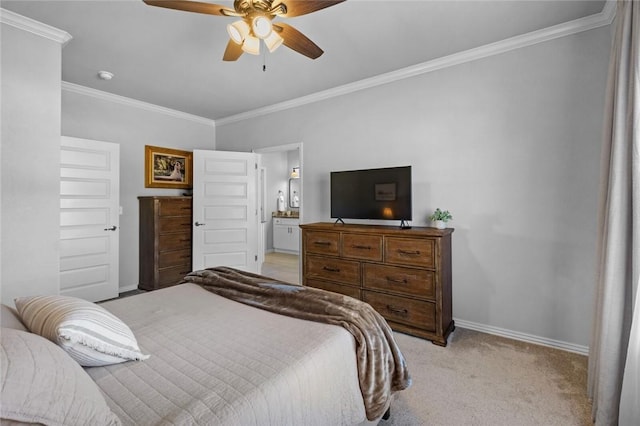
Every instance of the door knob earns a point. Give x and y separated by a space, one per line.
199 224
113 228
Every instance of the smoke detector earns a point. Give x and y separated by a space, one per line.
105 75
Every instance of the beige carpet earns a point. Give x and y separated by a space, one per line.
480 379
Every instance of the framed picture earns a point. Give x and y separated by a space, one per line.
167 168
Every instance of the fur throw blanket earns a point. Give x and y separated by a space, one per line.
382 369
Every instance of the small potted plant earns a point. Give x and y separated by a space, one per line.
439 218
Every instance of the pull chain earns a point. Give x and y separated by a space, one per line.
264 60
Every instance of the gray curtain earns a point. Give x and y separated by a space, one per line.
613 357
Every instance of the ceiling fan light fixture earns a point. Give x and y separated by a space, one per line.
273 41
238 31
256 23
261 26
251 45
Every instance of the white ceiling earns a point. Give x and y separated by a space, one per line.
174 59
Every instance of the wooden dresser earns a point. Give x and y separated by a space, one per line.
405 274
165 241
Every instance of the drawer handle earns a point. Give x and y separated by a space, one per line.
398 311
327 268
397 280
409 252
185 208
184 240
361 247
322 243
185 256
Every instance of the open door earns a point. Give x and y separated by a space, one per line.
225 210
89 218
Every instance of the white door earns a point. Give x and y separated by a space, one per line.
225 210
89 208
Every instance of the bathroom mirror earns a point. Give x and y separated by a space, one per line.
294 193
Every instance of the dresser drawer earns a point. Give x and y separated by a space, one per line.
322 242
336 288
410 251
174 258
360 246
175 207
173 275
407 311
409 281
175 224
337 270
174 241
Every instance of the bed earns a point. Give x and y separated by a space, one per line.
216 361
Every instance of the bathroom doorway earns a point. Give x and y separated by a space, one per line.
281 206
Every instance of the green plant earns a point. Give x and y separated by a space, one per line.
444 216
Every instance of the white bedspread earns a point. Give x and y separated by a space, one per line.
218 362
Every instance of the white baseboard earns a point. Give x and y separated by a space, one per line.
286 251
127 288
523 337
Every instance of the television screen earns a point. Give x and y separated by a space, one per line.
372 194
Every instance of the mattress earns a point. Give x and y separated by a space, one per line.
216 361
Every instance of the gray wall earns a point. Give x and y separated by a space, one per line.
91 117
293 160
510 144
30 164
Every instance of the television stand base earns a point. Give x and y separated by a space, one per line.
404 225
339 220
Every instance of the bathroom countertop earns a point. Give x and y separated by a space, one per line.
292 214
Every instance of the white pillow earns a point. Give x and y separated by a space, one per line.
39 383
89 333
9 318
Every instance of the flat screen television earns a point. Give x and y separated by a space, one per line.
382 194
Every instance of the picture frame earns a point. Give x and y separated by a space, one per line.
167 168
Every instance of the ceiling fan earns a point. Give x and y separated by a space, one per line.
256 23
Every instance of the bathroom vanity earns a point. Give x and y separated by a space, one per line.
286 234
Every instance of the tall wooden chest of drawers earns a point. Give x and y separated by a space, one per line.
405 274
165 241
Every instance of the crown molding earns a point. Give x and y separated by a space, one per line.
609 10
110 97
35 27
603 18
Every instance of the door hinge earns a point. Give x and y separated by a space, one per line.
256 164
256 257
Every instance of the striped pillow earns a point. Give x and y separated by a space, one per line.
89 333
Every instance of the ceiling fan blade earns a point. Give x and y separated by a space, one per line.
232 52
297 41
302 7
193 6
